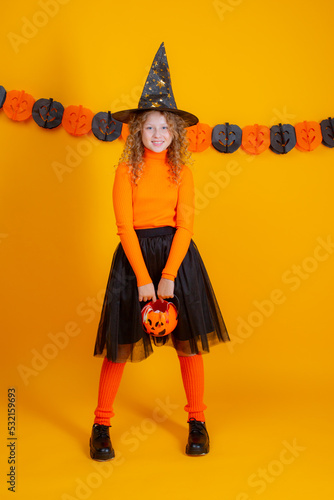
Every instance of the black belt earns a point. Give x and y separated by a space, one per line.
155 231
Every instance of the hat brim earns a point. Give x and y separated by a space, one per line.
126 115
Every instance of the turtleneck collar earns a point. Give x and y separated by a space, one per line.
155 156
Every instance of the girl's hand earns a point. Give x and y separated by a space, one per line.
147 292
165 289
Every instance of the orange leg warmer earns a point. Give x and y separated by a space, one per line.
192 371
110 378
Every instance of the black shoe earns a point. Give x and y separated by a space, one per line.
198 440
100 445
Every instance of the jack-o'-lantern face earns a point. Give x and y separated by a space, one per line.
105 128
77 120
159 318
282 138
308 135
47 113
226 138
156 323
327 130
18 105
255 139
199 137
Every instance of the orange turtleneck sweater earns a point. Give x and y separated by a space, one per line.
154 202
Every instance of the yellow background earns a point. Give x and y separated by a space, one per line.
241 61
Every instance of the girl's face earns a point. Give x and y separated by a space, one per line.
155 133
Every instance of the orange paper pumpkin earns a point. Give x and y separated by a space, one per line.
255 139
159 318
77 120
18 105
199 137
308 135
125 131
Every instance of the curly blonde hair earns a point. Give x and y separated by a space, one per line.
177 153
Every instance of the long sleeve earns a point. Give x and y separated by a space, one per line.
122 201
184 224
154 202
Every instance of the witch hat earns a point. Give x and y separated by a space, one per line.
157 94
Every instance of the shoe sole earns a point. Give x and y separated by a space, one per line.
191 453
100 457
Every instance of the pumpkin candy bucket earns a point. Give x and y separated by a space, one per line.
160 317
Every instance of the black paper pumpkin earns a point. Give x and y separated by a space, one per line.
47 113
3 94
282 138
327 131
105 128
226 138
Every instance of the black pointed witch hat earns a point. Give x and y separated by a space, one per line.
157 94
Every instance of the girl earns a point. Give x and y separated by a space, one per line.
153 197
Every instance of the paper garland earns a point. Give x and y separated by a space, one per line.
47 113
225 138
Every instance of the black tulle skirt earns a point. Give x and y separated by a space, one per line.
121 336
